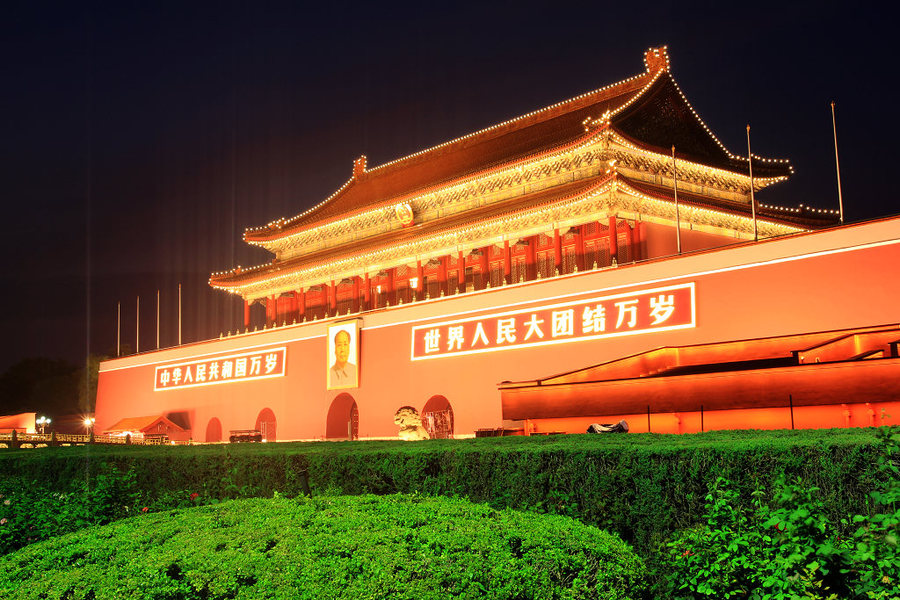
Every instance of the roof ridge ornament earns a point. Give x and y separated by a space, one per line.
657 59
359 167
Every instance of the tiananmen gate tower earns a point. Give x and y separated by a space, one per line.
599 259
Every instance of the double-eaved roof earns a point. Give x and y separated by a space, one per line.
647 111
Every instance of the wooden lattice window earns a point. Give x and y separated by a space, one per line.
624 248
496 274
519 270
569 257
433 287
596 252
546 264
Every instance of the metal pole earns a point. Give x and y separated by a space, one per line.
179 314
791 401
677 214
157 319
118 329
137 325
752 197
837 164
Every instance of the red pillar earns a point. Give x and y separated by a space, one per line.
629 240
272 310
356 294
246 314
638 241
301 305
613 240
391 296
367 293
442 274
579 248
557 252
461 273
507 262
332 299
485 266
530 261
420 275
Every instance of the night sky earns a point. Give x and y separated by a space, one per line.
140 139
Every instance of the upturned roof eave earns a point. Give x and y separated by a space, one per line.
782 215
765 168
265 241
638 82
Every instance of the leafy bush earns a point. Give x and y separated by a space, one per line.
641 486
30 511
789 548
874 550
346 547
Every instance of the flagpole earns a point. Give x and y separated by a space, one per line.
752 197
677 214
157 319
837 164
118 329
179 314
137 325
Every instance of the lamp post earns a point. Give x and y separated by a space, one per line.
89 424
42 422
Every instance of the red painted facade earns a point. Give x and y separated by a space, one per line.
806 283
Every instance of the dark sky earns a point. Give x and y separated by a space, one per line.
140 139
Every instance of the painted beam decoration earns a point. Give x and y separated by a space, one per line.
232 368
643 311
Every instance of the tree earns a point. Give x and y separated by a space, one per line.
39 384
87 383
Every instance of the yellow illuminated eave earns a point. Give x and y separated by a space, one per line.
498 172
591 138
450 236
688 165
742 227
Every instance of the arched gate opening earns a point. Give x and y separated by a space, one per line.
437 418
342 422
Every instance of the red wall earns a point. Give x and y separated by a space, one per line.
835 279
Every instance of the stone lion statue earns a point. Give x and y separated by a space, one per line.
410 424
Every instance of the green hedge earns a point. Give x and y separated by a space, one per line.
641 486
394 546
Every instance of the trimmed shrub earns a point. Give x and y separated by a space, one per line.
641 486
393 546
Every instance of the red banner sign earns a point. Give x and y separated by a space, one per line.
258 364
644 311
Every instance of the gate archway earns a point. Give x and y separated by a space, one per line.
214 430
342 422
266 424
437 418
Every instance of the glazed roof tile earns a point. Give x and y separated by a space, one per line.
524 136
648 108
